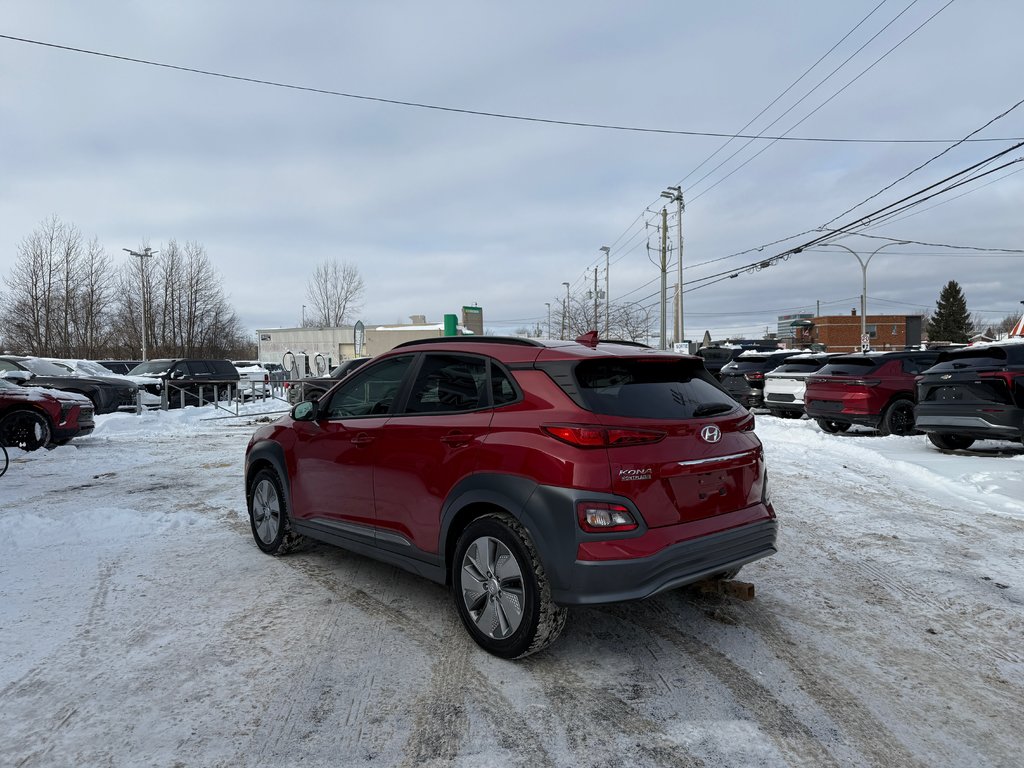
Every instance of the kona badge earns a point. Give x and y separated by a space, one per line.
711 434
643 473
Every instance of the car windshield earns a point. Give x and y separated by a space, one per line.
43 367
91 368
152 367
850 366
650 389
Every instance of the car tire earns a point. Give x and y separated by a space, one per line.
832 427
898 418
949 442
501 591
25 429
268 515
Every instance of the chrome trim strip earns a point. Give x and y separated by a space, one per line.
716 459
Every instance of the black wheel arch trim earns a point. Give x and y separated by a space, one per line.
547 512
272 453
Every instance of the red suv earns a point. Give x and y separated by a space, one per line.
527 475
34 417
876 390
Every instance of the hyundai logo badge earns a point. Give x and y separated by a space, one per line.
711 434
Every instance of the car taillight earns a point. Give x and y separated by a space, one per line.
755 376
599 517
863 382
1010 377
592 436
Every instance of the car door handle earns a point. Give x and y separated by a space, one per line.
362 439
456 439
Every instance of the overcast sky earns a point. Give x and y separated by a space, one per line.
440 209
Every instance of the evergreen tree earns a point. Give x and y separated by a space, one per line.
951 321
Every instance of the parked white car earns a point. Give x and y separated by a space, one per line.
784 387
253 379
149 387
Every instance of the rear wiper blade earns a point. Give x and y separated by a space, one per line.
710 409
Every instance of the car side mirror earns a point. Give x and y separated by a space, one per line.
18 376
305 411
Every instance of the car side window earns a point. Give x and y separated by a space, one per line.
449 383
503 391
368 392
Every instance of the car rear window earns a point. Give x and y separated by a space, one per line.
650 389
978 357
716 355
850 366
800 366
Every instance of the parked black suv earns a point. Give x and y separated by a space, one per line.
743 378
107 395
974 393
191 381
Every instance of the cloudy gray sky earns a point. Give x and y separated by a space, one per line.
440 209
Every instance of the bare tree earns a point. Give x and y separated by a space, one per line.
335 294
39 314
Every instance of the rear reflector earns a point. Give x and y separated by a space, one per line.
599 517
592 436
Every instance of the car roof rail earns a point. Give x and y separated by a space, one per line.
513 340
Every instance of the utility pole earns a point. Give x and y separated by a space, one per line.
665 275
607 295
146 253
595 298
676 194
565 311
548 305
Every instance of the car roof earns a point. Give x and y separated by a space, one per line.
513 349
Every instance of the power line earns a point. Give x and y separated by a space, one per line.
950 148
811 91
475 112
829 99
775 101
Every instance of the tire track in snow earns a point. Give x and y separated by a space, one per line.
512 726
775 719
593 717
867 734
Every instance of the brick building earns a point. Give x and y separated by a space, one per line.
841 333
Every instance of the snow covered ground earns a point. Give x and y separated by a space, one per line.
139 625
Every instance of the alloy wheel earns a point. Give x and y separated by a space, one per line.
492 587
266 511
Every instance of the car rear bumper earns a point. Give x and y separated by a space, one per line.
994 422
836 410
611 581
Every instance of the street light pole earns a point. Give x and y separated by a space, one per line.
146 253
864 286
548 305
303 315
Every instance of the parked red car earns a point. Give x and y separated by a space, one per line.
34 417
527 475
876 390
